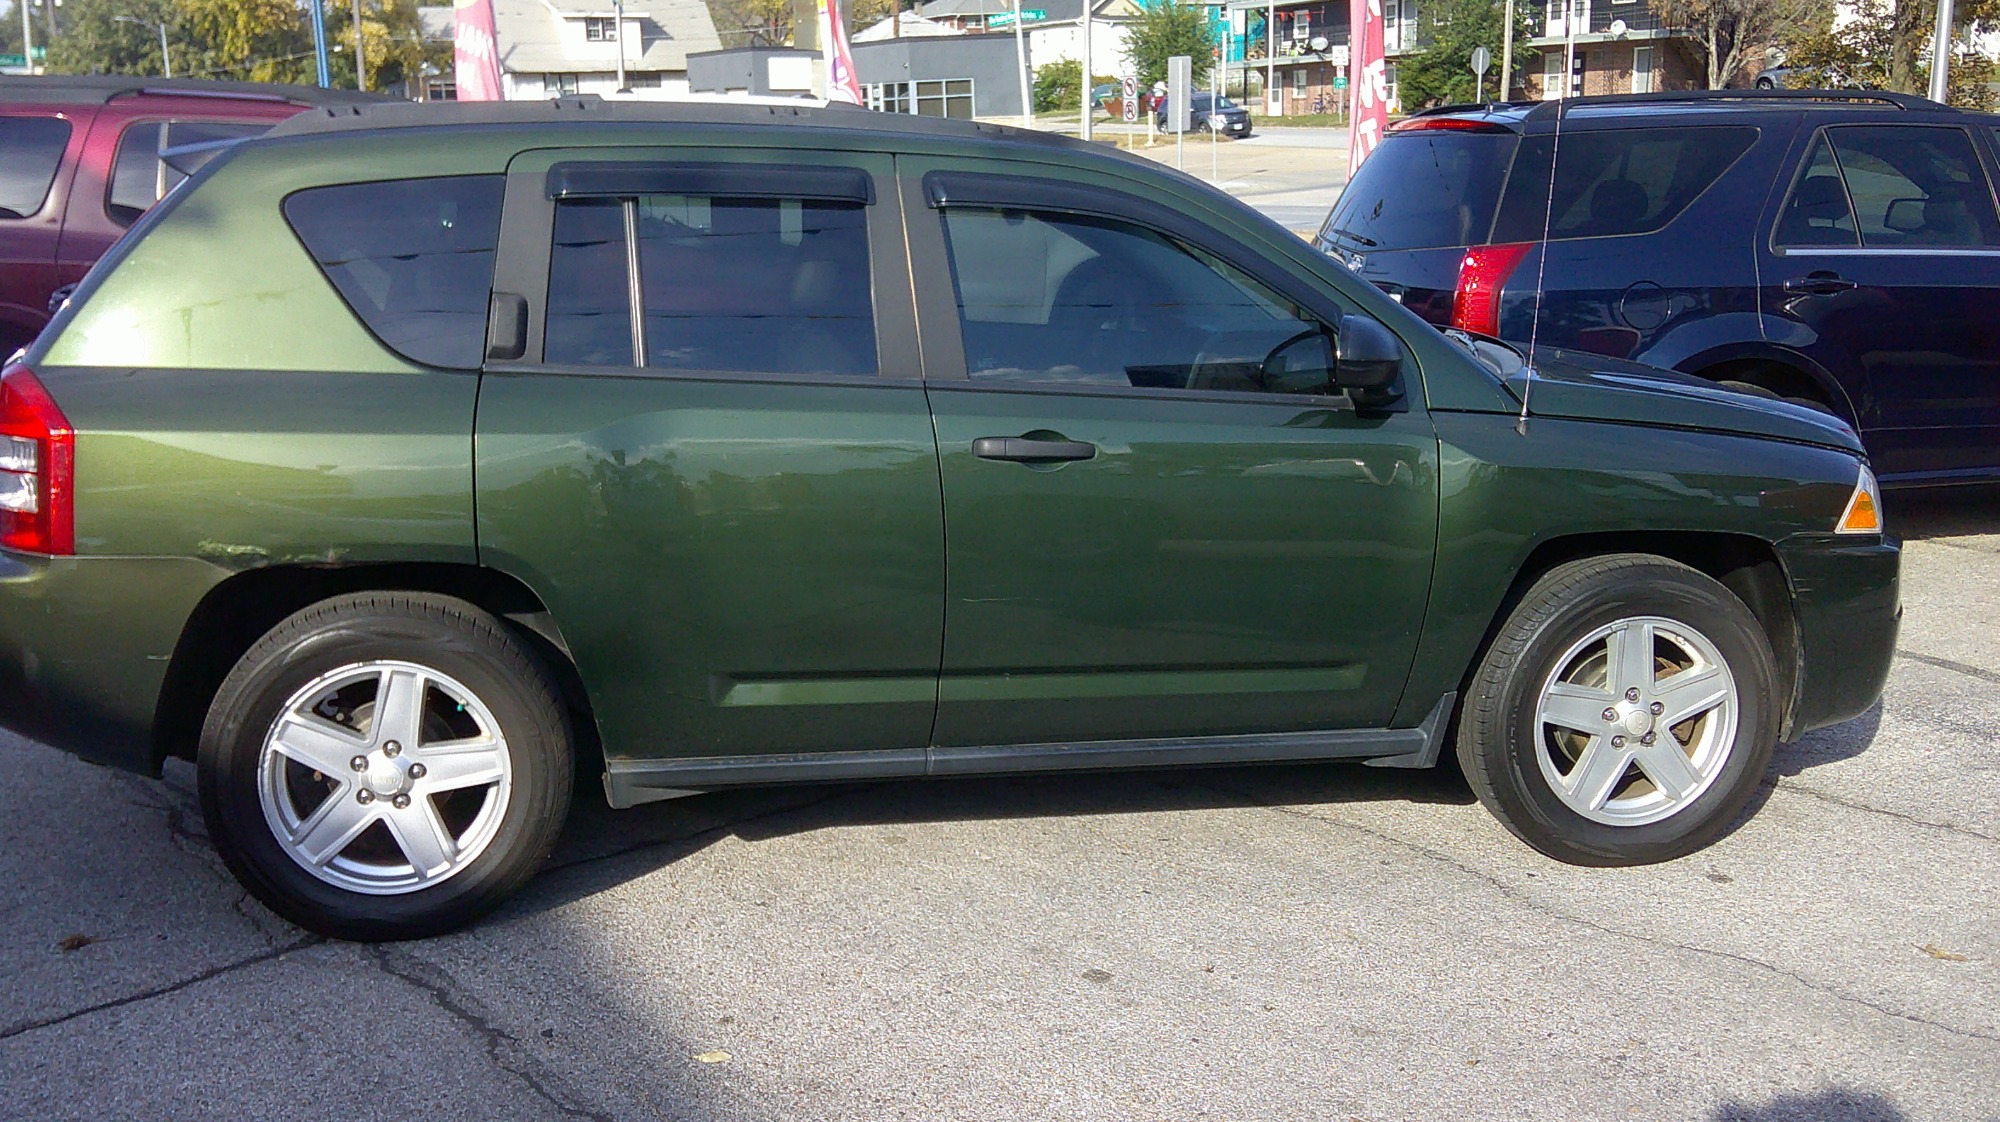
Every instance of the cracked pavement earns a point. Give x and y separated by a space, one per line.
1300 942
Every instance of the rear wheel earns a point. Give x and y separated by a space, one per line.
1777 384
385 766
1624 713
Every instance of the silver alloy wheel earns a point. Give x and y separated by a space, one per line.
1636 722
384 777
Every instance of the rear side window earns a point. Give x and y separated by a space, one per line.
755 285
1423 190
1608 183
412 257
31 149
139 178
1915 186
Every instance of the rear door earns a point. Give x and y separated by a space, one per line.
1157 528
707 447
1883 262
38 148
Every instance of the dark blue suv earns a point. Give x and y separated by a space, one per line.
1839 250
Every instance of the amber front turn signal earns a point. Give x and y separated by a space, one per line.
1864 508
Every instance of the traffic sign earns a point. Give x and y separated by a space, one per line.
1006 19
1340 83
41 55
1129 94
1481 59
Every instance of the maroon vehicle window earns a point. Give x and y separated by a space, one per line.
31 150
139 178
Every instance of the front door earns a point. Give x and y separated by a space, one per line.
1157 525
705 444
1883 265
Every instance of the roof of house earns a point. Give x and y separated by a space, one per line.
914 27
437 24
1059 11
531 39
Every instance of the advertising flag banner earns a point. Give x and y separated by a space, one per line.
841 84
1368 93
475 51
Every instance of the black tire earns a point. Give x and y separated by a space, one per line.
1497 727
1765 392
438 633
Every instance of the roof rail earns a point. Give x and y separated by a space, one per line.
1547 109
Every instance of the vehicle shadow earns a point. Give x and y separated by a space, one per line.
1839 1104
601 847
1943 512
1829 745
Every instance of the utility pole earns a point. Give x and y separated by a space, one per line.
1271 54
618 38
166 61
1941 54
360 65
1021 54
27 36
319 42
1507 54
1083 130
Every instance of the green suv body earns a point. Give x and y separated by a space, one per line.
410 454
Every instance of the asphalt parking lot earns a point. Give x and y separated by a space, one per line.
1325 942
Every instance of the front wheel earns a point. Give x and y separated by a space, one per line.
385 766
1624 713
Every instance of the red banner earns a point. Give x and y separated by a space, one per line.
841 82
1367 85
476 51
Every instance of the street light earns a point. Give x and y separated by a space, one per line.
166 61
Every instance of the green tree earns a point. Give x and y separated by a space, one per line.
10 31
1882 46
1167 28
95 41
1059 85
1732 32
1441 73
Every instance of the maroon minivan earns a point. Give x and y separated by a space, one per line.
80 162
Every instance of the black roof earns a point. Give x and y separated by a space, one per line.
719 110
96 89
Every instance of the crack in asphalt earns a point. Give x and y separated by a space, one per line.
1836 800
18 1028
503 1048
1516 895
1949 664
196 844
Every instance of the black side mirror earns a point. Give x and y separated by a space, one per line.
1302 364
1369 361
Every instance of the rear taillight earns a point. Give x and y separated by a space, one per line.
1482 273
1444 124
37 468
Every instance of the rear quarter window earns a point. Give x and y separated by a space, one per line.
1614 182
31 149
1424 190
412 257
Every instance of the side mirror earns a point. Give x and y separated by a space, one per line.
1905 216
1302 364
1369 361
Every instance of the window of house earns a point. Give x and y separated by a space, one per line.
600 29
1075 300
31 149
1642 69
559 85
936 98
139 178
769 286
1299 80
642 81
1915 186
412 257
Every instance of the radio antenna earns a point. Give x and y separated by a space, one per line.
1542 261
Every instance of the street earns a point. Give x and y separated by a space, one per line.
1292 175
1311 942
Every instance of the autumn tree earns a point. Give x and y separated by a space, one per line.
1734 33
1882 45
1441 71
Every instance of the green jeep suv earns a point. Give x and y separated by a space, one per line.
412 460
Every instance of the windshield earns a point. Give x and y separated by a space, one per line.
1424 190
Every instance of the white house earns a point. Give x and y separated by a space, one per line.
549 48
1057 34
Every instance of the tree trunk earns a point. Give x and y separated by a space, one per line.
1714 51
1906 35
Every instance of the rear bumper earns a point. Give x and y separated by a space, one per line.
84 648
1847 594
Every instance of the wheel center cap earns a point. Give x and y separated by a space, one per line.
387 778
1637 721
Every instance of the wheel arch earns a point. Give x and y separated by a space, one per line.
1748 566
237 612
1727 364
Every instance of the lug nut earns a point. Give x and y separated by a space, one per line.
1611 714
1630 695
392 748
1618 742
402 802
1657 708
417 771
360 763
364 796
1648 739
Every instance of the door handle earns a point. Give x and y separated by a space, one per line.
1029 450
1819 284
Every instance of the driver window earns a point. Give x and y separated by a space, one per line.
1916 186
1069 299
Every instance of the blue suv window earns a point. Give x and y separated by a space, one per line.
1615 181
412 257
1914 186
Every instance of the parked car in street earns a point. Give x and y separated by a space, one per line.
821 445
1835 249
1209 113
80 161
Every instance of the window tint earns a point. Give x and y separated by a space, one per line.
412 257
1916 186
31 149
1818 212
1088 301
1424 189
139 178
773 286
1624 181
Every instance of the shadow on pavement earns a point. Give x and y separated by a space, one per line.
602 847
1843 741
1839 1104
1943 512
